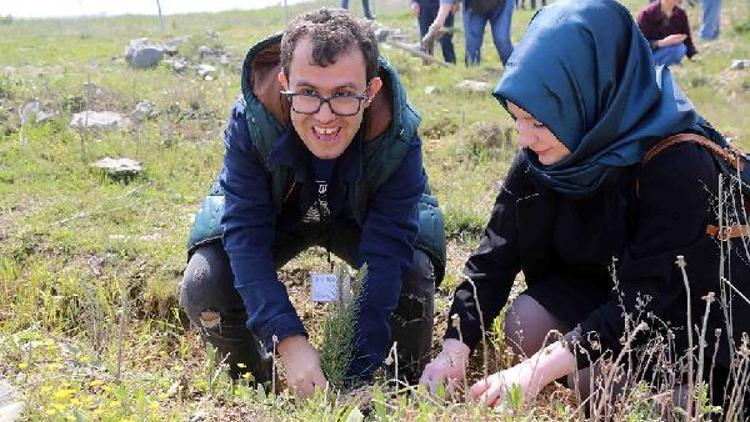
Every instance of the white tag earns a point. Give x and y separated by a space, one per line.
324 287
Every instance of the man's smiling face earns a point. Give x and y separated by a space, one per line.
326 134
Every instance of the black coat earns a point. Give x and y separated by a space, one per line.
559 241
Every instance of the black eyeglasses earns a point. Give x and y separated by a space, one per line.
341 105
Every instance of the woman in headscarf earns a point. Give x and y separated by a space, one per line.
580 209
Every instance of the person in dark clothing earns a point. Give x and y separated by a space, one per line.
426 12
665 26
580 203
321 150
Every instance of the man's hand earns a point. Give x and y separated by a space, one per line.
670 40
302 365
449 366
414 8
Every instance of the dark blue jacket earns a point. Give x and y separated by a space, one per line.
379 192
250 224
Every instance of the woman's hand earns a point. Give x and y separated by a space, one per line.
531 376
494 389
448 367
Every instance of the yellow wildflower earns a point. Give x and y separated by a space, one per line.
23 365
63 395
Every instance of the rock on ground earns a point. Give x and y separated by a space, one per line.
431 90
740 64
119 167
10 408
144 110
34 109
205 71
98 120
473 86
141 54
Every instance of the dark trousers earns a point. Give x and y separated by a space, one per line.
427 15
522 4
213 305
365 7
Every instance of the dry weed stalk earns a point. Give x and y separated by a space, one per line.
482 327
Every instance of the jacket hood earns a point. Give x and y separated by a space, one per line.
260 88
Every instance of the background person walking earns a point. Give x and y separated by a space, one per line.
711 19
476 15
365 8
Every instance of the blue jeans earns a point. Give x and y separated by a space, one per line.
711 19
365 7
427 15
474 24
670 55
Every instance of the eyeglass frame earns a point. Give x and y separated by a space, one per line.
323 100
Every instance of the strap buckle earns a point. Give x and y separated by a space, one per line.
724 233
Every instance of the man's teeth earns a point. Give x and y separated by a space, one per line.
324 131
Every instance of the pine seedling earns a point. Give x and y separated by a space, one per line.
339 328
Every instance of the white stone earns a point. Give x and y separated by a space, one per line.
431 89
98 120
10 408
474 86
205 70
740 64
119 167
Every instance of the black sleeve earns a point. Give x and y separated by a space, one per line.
676 190
494 265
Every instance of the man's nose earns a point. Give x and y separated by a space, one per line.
325 113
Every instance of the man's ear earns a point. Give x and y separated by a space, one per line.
283 81
373 88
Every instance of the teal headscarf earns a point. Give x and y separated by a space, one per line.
585 71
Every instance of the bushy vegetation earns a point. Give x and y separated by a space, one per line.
90 327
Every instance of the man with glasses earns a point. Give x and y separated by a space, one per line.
322 150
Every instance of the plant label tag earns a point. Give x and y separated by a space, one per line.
324 287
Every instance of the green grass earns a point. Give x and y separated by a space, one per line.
89 266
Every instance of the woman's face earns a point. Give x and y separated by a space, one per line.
535 136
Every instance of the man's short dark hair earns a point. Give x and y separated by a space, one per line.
331 32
